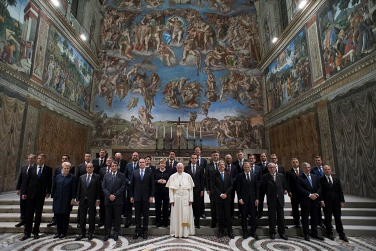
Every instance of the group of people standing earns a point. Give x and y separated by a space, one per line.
178 192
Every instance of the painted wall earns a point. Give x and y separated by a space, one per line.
162 61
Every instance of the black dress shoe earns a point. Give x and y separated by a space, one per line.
344 238
136 236
213 225
230 235
80 237
25 237
20 224
282 236
272 236
255 236
245 236
318 237
198 226
331 237
220 234
286 227
56 236
78 225
115 237
90 237
36 236
306 237
100 224
298 226
127 225
62 236
145 235
165 225
53 223
321 225
106 237
203 216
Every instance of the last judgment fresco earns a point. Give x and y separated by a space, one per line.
177 70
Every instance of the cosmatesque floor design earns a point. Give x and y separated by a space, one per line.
10 241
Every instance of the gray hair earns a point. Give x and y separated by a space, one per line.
228 155
271 164
305 164
180 164
66 164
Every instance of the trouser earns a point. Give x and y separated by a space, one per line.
276 217
34 205
128 207
161 199
332 208
113 217
310 209
295 209
102 210
232 204
213 210
202 205
319 215
62 223
197 208
23 205
83 213
142 207
223 211
261 202
248 208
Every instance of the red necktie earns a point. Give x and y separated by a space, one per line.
229 168
171 165
108 170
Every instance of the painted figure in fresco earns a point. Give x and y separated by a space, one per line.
175 26
209 34
192 120
189 50
211 88
133 71
157 35
145 117
145 35
102 85
132 103
50 71
166 52
205 107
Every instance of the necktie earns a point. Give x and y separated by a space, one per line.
297 172
309 179
253 169
27 170
241 163
142 174
193 170
113 177
216 166
274 178
171 164
199 161
321 173
229 168
100 162
330 181
223 177
39 171
108 170
88 181
247 176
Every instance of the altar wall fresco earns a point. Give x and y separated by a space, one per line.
162 60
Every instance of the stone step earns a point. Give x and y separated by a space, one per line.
350 230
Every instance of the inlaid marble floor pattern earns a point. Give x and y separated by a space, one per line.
10 241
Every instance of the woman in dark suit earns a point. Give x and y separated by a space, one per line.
63 194
161 177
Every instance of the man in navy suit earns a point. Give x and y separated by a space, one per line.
292 178
142 194
102 207
129 169
231 169
201 162
318 170
248 192
171 163
122 163
113 186
101 161
264 170
21 180
58 170
36 189
240 161
309 191
211 169
197 173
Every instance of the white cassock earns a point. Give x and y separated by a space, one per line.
181 193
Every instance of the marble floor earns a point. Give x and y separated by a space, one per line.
10 242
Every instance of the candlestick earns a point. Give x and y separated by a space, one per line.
156 133
171 132
164 132
187 133
200 133
194 133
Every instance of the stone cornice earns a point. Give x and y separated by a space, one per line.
67 30
357 74
285 37
26 87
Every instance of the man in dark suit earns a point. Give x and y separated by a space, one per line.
309 192
88 195
101 161
58 170
122 163
35 190
197 174
102 206
113 186
142 194
171 163
231 169
240 161
318 170
211 169
292 178
248 192
21 180
275 187
332 200
264 170
221 187
129 169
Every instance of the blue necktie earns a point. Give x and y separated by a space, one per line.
223 177
309 179
216 166
39 171
88 181
321 173
142 174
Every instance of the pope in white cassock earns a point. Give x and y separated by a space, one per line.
180 186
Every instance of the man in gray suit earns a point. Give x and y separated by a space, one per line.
113 186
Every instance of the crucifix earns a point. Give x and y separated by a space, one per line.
178 130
